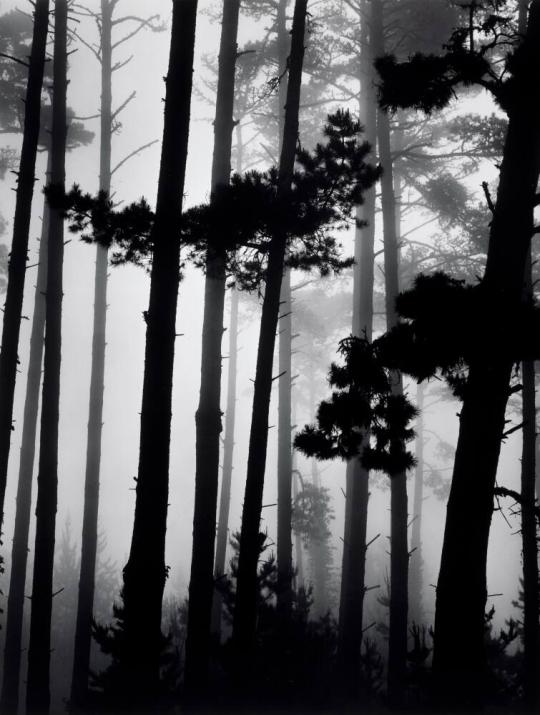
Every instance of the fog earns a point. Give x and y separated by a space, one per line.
128 291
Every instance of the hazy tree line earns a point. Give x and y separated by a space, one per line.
349 117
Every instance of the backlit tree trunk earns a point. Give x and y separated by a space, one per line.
19 551
208 417
245 615
399 556
461 588
39 649
357 486
81 659
416 566
145 571
19 245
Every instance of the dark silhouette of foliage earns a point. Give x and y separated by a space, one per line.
245 215
312 514
363 402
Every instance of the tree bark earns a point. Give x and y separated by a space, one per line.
208 416
19 550
89 539
357 485
461 588
417 562
38 687
19 245
145 571
245 615
399 555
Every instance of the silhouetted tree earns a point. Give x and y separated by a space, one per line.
145 571
38 685
208 416
19 246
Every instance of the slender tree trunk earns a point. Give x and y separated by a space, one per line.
531 610
284 466
461 589
85 604
145 571
399 556
39 650
228 451
208 417
228 443
245 615
19 245
357 494
19 550
417 562
531 583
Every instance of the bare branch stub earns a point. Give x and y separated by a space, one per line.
132 154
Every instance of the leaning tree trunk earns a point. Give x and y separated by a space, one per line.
417 562
228 451
357 485
208 416
284 462
145 571
461 588
39 649
85 603
19 245
245 615
19 551
399 556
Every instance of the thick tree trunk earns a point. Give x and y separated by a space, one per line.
416 566
399 556
85 604
208 417
39 650
19 245
461 589
284 466
19 550
245 615
357 487
228 451
145 571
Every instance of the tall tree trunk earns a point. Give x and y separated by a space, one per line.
531 584
357 486
228 451
531 603
399 556
228 442
208 417
461 588
19 245
85 604
284 466
245 615
417 562
19 551
39 650
145 571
